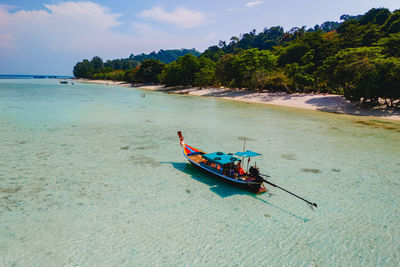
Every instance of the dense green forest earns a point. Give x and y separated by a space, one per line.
117 69
165 56
358 58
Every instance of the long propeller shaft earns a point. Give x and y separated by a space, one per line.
277 186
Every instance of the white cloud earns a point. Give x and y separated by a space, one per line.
62 26
181 17
253 4
247 5
56 37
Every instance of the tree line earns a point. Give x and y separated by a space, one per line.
358 58
165 56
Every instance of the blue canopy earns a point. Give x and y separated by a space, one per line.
247 154
220 158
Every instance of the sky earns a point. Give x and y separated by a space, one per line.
47 37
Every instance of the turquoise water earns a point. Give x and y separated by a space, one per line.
93 174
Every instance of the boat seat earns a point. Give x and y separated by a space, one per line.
197 157
194 153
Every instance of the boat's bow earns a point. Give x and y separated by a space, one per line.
188 150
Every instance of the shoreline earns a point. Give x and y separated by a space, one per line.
104 82
318 102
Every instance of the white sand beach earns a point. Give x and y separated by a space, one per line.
105 82
320 102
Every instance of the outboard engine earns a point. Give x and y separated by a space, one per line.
254 172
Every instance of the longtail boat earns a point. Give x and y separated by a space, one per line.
225 166
229 168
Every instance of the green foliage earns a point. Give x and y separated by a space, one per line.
181 71
389 78
348 68
377 78
350 34
359 58
391 45
277 80
116 75
97 63
130 75
213 52
392 24
328 26
206 74
299 76
237 70
205 77
348 17
224 71
165 56
190 65
83 69
375 16
120 64
149 71
97 69
172 74
292 53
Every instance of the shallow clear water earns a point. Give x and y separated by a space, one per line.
93 174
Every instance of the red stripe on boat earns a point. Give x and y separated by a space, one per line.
189 149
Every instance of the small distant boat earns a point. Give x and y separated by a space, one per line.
229 168
63 81
226 166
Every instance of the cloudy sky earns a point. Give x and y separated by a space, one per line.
49 37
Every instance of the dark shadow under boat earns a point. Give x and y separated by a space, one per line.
223 189
217 186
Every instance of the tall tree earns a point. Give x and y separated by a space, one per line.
97 63
149 71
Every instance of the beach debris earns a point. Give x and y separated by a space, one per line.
289 156
11 190
310 170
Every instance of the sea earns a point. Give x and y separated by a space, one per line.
93 175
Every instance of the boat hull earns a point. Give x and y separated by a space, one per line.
252 187
192 155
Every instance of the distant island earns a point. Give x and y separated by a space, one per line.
358 58
17 76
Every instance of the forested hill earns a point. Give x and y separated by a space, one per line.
358 57
165 56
